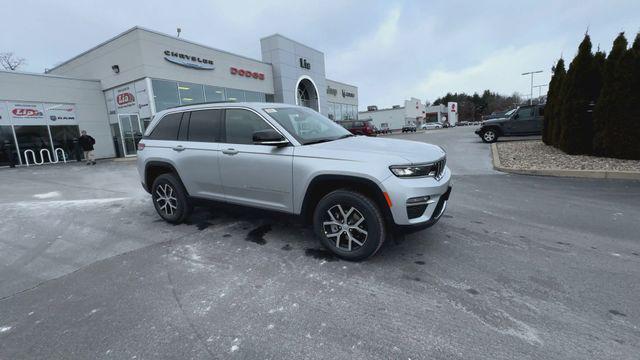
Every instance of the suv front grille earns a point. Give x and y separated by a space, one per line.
439 168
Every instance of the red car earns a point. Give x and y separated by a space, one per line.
359 127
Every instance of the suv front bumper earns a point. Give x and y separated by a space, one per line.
400 190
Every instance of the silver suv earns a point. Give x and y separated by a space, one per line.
354 189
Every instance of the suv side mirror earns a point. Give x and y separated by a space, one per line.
269 137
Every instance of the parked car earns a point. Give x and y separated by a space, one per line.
409 128
430 126
523 121
384 129
359 127
255 154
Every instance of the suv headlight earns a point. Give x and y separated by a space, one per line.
414 170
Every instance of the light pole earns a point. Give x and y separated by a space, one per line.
540 90
531 73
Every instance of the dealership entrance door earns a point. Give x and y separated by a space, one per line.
130 133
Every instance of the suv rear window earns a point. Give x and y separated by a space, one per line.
167 128
204 125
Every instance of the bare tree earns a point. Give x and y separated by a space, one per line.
9 61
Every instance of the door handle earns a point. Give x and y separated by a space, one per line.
230 151
178 148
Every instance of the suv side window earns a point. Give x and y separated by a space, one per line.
241 124
525 113
358 124
167 128
204 125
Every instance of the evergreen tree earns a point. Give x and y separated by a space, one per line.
579 94
551 123
607 109
623 140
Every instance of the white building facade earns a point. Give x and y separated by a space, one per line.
394 118
140 72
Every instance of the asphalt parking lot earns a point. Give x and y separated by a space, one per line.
520 267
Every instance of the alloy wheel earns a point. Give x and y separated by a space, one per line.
165 197
489 136
347 228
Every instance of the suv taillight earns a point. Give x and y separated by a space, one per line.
140 146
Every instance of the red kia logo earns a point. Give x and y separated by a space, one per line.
25 112
125 98
246 73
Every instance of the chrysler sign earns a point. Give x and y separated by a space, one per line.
189 61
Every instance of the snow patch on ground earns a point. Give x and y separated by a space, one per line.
4 329
48 195
66 203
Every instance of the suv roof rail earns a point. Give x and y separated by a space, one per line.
203 103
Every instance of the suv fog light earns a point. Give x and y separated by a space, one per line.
420 200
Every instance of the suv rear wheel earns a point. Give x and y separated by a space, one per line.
170 199
489 136
349 224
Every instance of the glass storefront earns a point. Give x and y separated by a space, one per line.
190 93
34 143
336 111
8 151
63 137
169 94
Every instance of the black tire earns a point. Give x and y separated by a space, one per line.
167 186
489 136
371 232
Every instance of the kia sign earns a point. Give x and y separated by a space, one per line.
190 61
125 98
21 111
246 73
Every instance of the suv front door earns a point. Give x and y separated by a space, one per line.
522 122
259 175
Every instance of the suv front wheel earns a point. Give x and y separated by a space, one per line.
349 224
489 136
170 199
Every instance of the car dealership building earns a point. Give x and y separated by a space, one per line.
114 89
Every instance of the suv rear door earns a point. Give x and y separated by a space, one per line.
258 175
200 138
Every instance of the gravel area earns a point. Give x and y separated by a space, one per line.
534 154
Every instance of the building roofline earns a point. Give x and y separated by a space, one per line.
153 32
342 83
385 109
290 39
47 75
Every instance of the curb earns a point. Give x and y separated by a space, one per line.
589 174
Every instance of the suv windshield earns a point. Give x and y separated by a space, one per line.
306 125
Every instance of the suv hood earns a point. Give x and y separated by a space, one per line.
364 148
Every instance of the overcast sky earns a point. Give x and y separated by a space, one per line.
391 50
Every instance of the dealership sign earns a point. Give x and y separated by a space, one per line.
60 112
348 94
305 64
189 61
332 91
125 98
246 73
21 111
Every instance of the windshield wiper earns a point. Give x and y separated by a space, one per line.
345 136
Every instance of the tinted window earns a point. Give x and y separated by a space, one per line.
241 124
204 125
167 128
235 95
525 113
